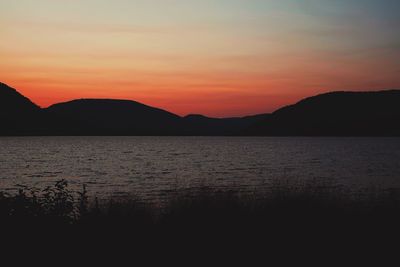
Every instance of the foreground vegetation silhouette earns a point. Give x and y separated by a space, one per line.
287 225
303 215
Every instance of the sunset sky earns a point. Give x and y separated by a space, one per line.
214 57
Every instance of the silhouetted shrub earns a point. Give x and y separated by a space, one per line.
206 217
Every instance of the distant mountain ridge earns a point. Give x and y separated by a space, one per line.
13 102
330 114
18 115
111 117
336 114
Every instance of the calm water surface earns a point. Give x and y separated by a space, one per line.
153 166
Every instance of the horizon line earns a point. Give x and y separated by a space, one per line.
199 114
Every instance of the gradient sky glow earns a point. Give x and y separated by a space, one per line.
214 57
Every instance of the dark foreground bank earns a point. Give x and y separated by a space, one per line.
289 224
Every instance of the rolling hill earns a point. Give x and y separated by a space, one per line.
18 115
330 114
336 114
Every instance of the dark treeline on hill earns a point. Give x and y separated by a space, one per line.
331 114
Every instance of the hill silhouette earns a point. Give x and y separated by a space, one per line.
201 125
336 114
111 117
12 102
18 115
330 114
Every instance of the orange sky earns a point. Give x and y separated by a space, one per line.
218 58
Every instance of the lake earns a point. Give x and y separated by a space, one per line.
151 167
